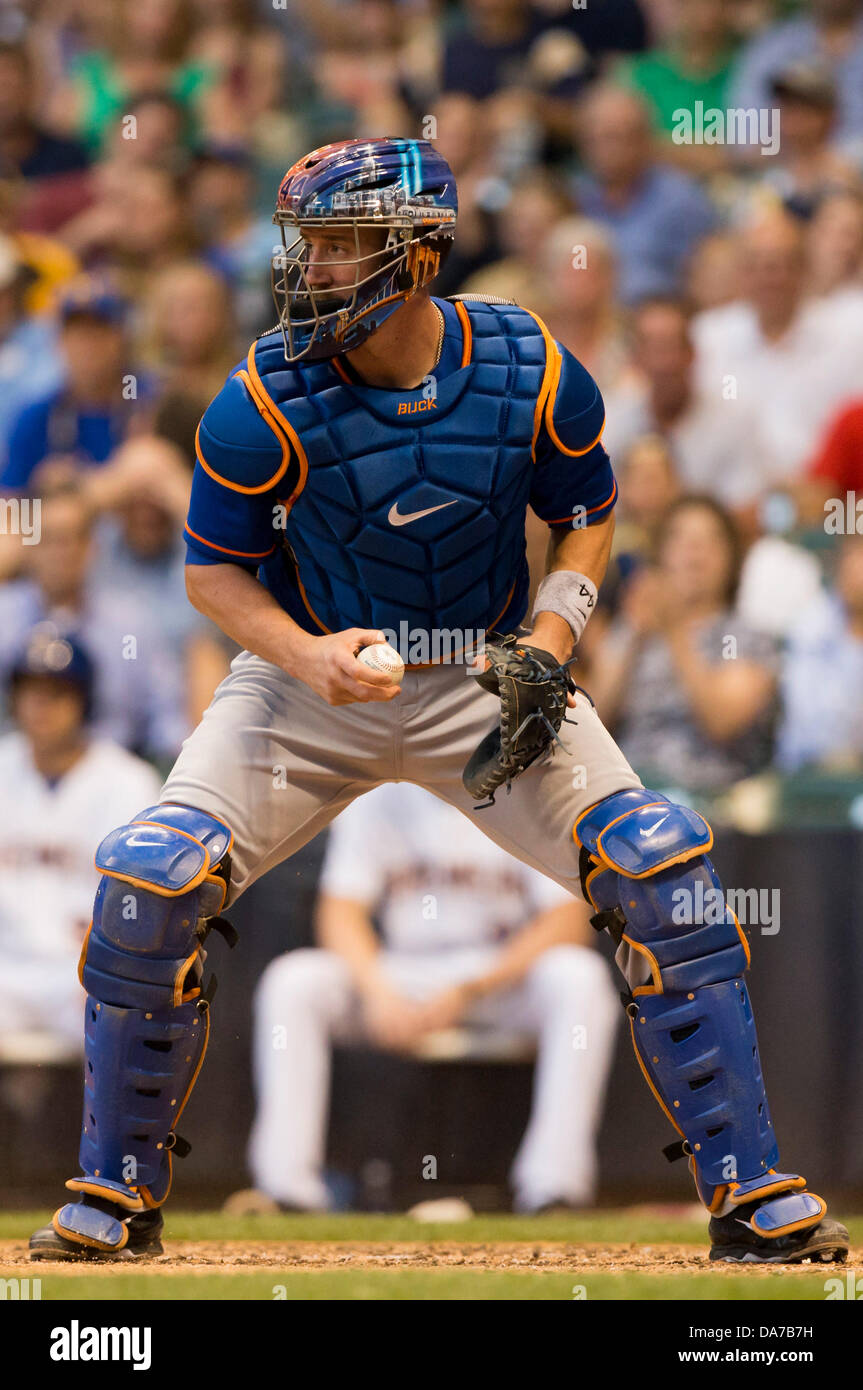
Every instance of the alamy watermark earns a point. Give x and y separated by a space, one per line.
708 906
21 516
753 127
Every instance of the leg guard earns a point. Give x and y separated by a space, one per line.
644 867
165 879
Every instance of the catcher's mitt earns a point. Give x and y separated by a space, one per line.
532 686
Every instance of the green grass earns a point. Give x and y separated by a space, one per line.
430 1285
627 1227
618 1225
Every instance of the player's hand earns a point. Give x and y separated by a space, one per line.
393 1021
330 668
560 650
445 1009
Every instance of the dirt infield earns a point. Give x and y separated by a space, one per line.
209 1257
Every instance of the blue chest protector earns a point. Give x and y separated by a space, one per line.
394 522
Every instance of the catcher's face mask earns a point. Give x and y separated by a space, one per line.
364 224
332 280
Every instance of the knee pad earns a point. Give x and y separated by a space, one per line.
165 877
645 868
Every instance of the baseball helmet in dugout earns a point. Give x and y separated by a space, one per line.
402 187
60 656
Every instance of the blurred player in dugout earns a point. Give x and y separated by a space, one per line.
60 789
469 937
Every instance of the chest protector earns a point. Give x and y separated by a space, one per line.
409 513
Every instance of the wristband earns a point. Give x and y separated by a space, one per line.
569 594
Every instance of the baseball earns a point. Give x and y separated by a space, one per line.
382 657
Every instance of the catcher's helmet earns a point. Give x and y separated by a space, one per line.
403 187
60 656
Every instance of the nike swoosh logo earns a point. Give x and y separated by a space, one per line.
395 517
653 828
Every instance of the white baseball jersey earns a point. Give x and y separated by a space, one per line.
434 880
48 836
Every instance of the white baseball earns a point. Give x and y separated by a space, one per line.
382 657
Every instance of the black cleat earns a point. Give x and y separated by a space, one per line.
144 1243
733 1239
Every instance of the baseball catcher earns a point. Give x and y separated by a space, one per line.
364 476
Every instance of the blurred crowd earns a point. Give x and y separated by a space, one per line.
712 284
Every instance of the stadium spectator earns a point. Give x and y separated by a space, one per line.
709 438
554 47
53 166
692 63
141 48
30 362
835 473
648 484
89 413
806 166
578 301
61 791
835 246
656 214
188 331
235 240
48 263
786 361
151 132
712 273
139 223
252 63
652 484
143 495
831 31
687 687
463 138
138 700
470 938
822 674
496 44
535 203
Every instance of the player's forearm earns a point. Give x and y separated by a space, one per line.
237 603
343 926
584 553
558 926
585 549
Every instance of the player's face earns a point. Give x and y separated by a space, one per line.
49 713
336 258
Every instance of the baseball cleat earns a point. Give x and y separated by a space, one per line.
137 1239
734 1238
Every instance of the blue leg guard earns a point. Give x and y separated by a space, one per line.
645 868
165 880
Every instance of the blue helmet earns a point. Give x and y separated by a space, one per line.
403 188
59 656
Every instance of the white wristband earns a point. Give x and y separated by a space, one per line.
569 594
